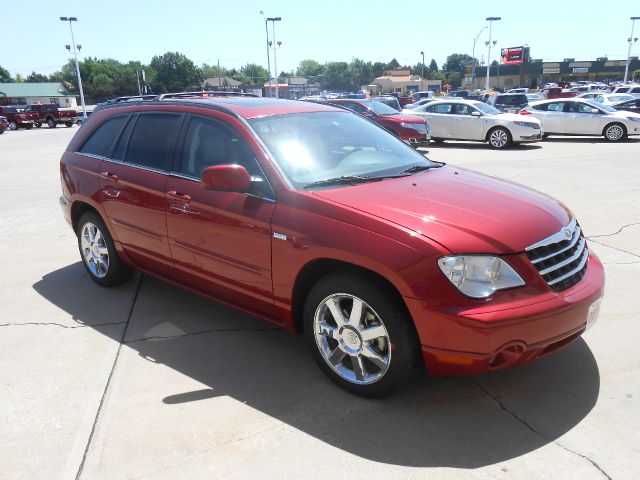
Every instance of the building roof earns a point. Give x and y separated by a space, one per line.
221 82
44 89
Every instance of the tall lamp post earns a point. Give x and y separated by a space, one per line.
273 21
266 30
490 20
422 75
75 55
473 54
631 42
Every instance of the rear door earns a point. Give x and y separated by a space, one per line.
221 241
133 188
552 116
440 118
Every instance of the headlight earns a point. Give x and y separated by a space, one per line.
420 127
479 276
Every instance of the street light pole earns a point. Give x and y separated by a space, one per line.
422 76
75 55
626 69
266 30
490 20
473 54
273 21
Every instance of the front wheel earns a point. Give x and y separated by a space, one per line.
614 132
360 335
13 125
499 138
69 124
51 123
98 252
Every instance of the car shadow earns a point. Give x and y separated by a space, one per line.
483 146
433 422
571 139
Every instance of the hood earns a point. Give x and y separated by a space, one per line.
516 117
627 114
466 212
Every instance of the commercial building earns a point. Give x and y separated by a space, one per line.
292 88
27 93
401 81
535 73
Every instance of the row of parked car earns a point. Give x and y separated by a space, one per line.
504 120
12 117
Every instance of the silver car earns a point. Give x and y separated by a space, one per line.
477 121
575 116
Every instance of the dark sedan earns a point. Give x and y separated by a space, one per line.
629 105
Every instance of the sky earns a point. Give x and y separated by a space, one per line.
326 30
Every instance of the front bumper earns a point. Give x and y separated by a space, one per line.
473 341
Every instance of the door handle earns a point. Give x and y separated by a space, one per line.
175 195
109 176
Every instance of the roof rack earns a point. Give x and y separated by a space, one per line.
133 98
204 94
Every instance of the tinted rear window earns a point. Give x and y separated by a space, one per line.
517 99
152 139
101 140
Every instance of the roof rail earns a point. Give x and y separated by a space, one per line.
203 93
132 98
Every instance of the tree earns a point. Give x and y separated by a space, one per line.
454 67
19 78
393 63
311 70
433 65
5 76
636 74
255 74
174 72
34 77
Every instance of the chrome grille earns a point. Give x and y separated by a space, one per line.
561 258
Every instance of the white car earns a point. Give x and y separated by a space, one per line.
575 116
613 98
471 120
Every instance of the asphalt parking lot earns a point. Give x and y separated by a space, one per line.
148 381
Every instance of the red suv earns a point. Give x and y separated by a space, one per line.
319 221
410 128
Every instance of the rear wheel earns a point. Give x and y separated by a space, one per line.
69 124
499 137
38 124
359 334
614 132
28 126
13 125
98 252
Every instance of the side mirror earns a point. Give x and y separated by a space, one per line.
229 178
476 114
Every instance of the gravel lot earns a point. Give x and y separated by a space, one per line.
148 381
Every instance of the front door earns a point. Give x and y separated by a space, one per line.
220 241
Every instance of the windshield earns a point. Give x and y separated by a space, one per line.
488 109
311 147
380 108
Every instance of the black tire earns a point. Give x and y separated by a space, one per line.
69 124
116 272
399 346
51 123
614 132
28 126
38 124
499 137
13 125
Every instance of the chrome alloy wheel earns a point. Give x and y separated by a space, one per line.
614 132
498 138
352 339
94 250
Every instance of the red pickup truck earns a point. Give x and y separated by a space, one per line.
17 119
52 115
556 92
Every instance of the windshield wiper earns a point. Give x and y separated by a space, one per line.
420 168
349 179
